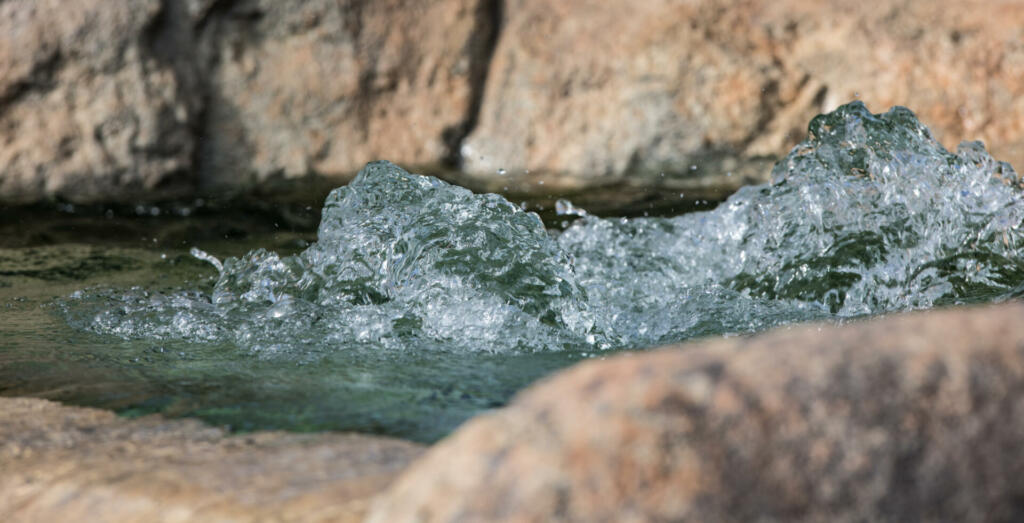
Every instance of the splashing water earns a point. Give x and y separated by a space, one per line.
868 215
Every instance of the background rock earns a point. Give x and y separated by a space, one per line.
102 102
300 87
74 464
910 418
594 92
90 107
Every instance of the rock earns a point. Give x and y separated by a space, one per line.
917 417
323 87
110 102
76 464
103 102
91 106
591 92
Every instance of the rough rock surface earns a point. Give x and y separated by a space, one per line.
103 101
910 418
90 107
594 90
324 87
74 464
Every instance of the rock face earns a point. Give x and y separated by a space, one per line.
100 101
910 418
106 101
594 91
90 107
73 464
322 86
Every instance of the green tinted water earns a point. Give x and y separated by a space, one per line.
47 256
420 304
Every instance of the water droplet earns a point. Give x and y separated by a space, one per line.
566 208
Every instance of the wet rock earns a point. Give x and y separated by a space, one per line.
588 92
323 87
75 464
910 418
91 105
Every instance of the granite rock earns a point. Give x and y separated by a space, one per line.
102 101
323 87
708 93
917 417
92 105
77 464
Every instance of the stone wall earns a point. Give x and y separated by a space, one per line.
107 101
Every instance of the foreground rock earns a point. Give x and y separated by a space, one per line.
73 464
910 418
593 91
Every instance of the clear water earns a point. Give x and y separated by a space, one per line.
421 303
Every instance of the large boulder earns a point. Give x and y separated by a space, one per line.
62 463
93 104
103 101
591 92
911 418
303 87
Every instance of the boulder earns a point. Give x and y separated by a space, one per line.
322 87
108 101
917 417
101 102
689 95
63 463
93 106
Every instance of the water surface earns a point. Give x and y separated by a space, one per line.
421 303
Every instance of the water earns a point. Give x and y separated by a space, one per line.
421 303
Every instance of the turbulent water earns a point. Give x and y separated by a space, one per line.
422 303
868 215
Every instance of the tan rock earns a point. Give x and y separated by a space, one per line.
586 92
107 101
301 87
74 464
910 418
91 108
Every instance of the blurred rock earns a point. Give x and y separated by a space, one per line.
592 92
100 101
74 464
322 87
91 105
916 417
